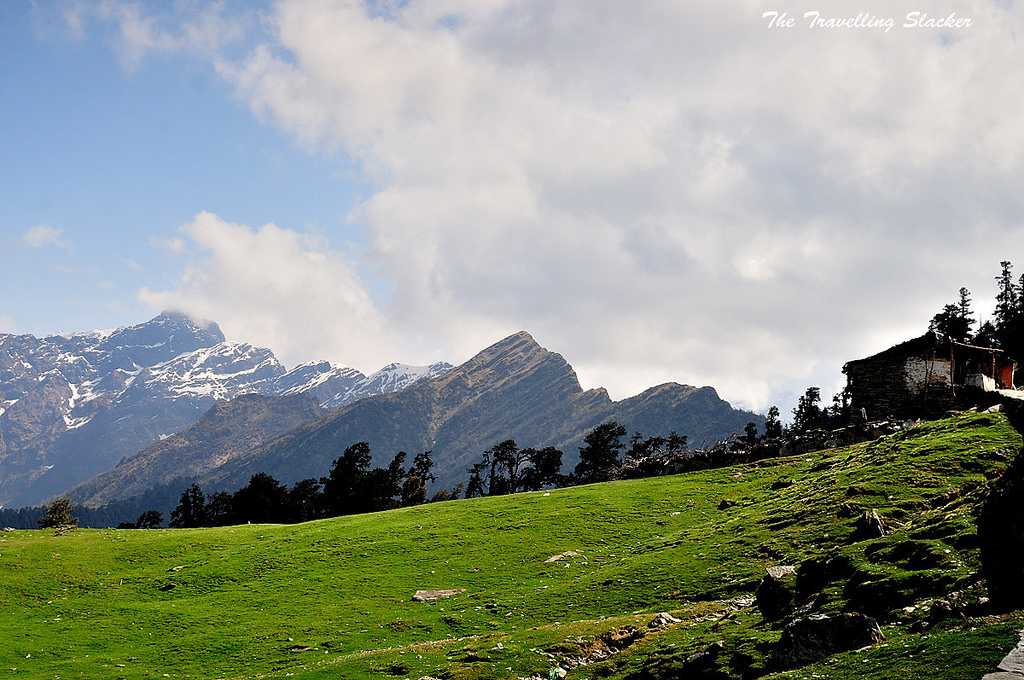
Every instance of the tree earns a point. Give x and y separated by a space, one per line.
807 414
1007 302
599 455
987 335
508 461
964 305
1009 312
381 487
220 510
191 510
414 488
641 449
545 468
956 320
475 486
347 479
150 519
772 424
676 443
305 501
263 500
750 433
59 513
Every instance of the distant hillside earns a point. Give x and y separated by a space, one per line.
513 389
228 430
546 580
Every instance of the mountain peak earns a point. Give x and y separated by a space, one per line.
175 318
520 342
516 355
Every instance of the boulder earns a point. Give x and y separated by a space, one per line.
703 664
818 636
1014 661
568 554
781 484
1001 538
663 619
776 592
435 595
870 525
726 504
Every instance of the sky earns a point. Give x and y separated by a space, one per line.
664 191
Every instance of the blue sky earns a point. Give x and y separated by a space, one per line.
118 159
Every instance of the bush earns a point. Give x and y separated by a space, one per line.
58 514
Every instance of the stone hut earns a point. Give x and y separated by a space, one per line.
924 376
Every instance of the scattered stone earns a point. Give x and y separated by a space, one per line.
663 619
870 525
9 529
781 484
177 568
1014 661
300 648
602 647
998 408
435 595
815 637
726 504
777 591
557 673
170 585
568 554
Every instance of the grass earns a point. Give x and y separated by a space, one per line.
332 598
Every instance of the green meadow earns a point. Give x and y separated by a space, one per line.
333 598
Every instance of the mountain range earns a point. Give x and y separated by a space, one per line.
110 415
74 406
513 389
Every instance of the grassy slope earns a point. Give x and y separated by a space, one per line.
90 604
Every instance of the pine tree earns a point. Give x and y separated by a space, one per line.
1007 299
772 424
599 457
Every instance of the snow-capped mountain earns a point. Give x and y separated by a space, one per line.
73 406
391 378
322 379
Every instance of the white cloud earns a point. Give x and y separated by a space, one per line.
44 236
661 191
185 26
277 288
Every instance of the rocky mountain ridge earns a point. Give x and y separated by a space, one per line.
513 389
73 406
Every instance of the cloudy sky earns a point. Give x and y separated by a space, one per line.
664 190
